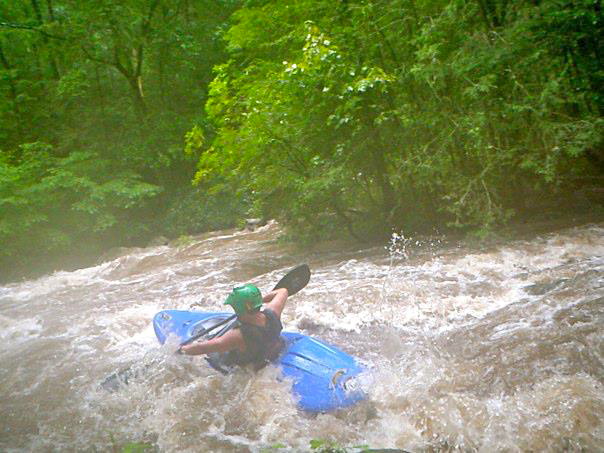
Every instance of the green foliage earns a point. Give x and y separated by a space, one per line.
95 101
371 115
194 140
357 117
136 448
328 446
198 211
325 446
49 203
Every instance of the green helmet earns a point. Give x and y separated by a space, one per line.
244 299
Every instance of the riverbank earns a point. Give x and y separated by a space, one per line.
520 227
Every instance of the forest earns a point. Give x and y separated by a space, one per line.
122 121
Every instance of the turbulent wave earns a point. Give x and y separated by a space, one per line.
491 349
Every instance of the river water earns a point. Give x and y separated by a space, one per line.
468 348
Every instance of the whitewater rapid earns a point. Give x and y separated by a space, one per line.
491 348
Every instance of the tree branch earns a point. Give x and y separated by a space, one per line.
30 28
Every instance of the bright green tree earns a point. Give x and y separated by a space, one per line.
372 115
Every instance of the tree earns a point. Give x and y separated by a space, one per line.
95 99
373 115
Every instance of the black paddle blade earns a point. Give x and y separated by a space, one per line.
295 280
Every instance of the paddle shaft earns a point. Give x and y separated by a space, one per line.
205 331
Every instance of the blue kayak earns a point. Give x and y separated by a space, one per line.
323 376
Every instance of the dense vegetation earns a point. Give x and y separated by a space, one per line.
332 116
96 99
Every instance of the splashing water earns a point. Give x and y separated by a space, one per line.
490 349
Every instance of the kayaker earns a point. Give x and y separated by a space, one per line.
257 340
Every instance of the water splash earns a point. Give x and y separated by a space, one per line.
497 348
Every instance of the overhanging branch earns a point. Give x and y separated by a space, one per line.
30 28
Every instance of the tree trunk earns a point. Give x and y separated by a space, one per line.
40 22
11 83
485 16
50 9
13 92
136 85
102 99
376 148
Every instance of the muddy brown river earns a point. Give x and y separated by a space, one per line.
468 348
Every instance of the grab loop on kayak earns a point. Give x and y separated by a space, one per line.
336 376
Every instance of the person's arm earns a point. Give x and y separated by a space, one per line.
229 341
275 300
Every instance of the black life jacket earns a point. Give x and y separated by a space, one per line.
262 343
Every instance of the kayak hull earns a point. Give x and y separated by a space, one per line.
324 378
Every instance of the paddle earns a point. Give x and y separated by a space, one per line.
294 281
